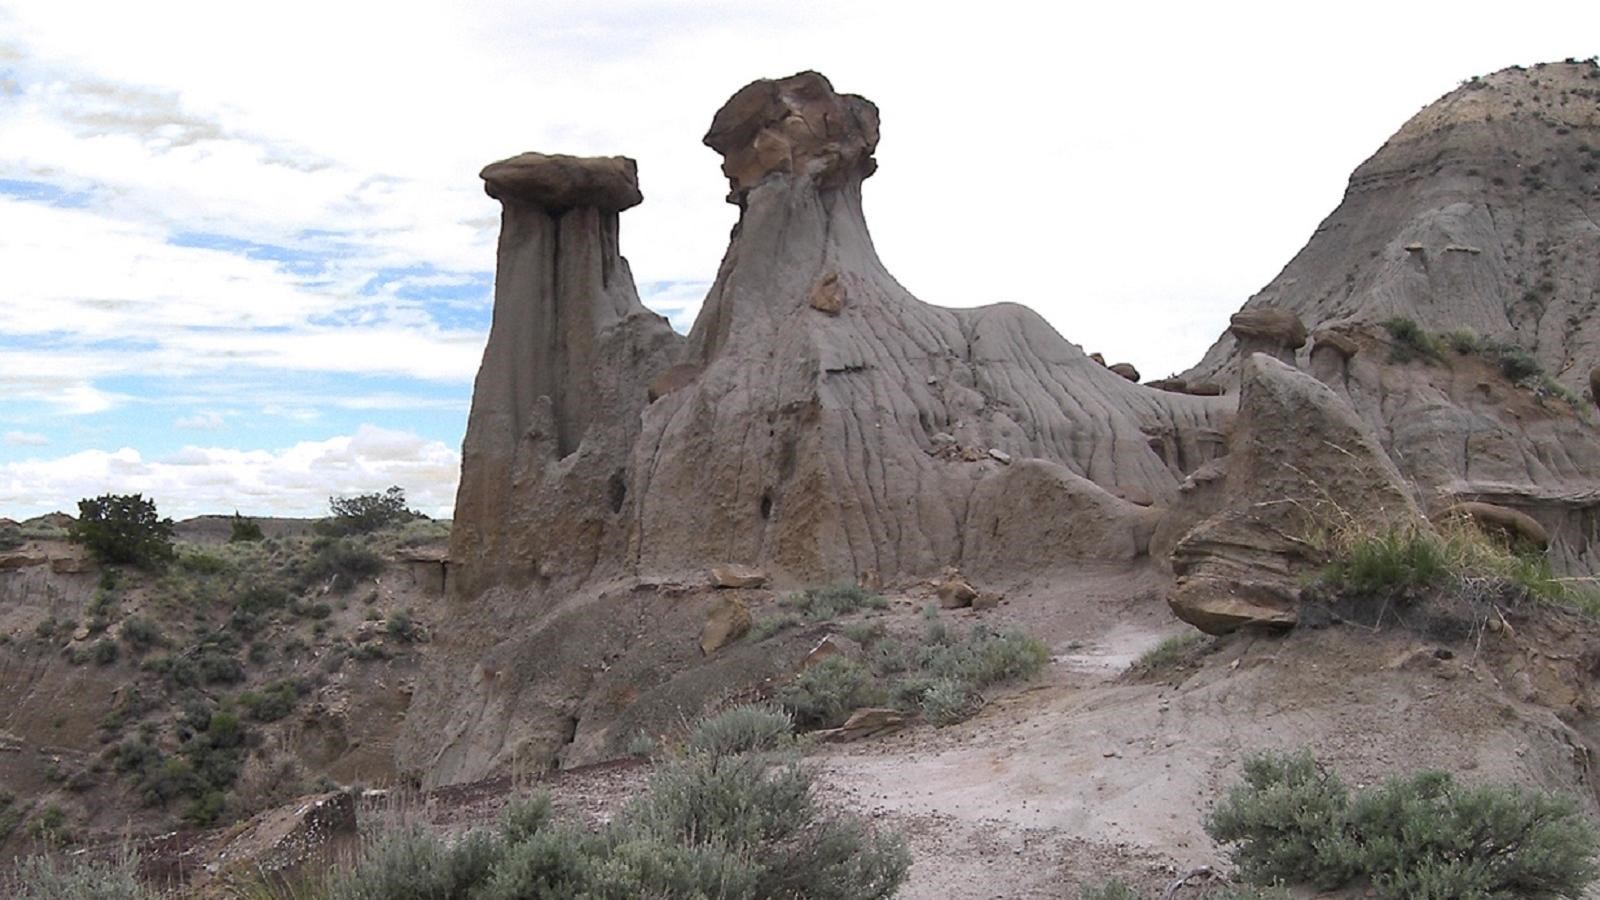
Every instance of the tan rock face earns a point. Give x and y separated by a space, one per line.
828 294
1517 526
1300 463
1445 227
794 126
556 182
864 723
737 576
803 443
729 621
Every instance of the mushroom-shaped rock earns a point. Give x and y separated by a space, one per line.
565 374
1517 526
795 125
1275 332
558 182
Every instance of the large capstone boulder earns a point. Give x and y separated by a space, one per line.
1275 332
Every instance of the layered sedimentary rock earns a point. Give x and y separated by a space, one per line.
814 436
804 423
1482 214
818 423
1301 463
555 408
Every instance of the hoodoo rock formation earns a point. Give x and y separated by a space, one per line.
1481 215
818 422
555 408
821 425
796 427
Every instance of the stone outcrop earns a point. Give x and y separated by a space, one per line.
818 422
556 404
1518 528
1275 332
1481 215
807 441
729 621
1301 463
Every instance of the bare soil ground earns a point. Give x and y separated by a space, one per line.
1098 769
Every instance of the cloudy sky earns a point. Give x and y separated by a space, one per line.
246 261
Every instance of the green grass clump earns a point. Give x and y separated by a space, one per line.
1463 341
1398 566
1169 652
824 603
1411 342
1418 836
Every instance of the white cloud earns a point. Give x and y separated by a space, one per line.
1132 172
294 481
25 439
204 420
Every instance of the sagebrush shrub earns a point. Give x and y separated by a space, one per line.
824 695
1417 836
743 729
44 877
1425 835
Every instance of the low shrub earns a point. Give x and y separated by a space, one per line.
1422 835
243 530
45 877
1287 819
1411 342
340 564
742 729
141 633
734 826
767 626
825 694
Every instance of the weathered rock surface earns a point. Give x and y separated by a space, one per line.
1301 463
310 831
818 422
865 723
1275 332
1479 214
557 183
1518 527
556 403
729 621
737 576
